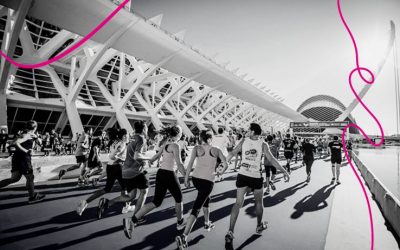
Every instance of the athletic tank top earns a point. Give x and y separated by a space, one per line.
251 158
116 148
168 159
205 166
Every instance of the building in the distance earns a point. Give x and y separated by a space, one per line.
322 108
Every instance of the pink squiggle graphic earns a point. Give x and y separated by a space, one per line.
72 48
360 71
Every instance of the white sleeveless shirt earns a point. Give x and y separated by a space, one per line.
251 158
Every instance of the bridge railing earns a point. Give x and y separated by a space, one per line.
389 204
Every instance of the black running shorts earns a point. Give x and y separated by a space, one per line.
81 159
245 181
336 159
288 154
139 181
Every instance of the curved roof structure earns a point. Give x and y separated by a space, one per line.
131 70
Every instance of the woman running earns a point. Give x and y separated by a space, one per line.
203 180
21 162
166 180
114 170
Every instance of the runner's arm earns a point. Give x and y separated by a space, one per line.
18 142
190 164
224 163
235 151
178 160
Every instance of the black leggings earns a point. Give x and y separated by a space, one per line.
269 169
114 172
16 176
166 181
204 188
308 161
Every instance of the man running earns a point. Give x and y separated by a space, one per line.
336 158
133 174
288 148
308 157
250 176
81 152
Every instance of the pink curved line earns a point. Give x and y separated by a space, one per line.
72 48
359 70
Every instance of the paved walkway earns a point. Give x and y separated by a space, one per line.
300 215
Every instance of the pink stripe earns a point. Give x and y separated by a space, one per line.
72 48
360 71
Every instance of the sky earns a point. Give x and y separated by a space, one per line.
296 48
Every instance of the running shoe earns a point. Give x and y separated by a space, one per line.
36 198
129 226
272 185
181 242
81 207
181 224
141 221
103 205
81 183
308 178
128 208
261 227
229 237
338 182
208 226
95 181
61 174
266 191
333 180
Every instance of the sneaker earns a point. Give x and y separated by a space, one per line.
333 180
338 182
81 207
103 205
208 226
129 226
36 198
61 173
272 185
229 237
266 191
128 208
261 227
81 183
95 181
181 242
308 178
181 224
141 221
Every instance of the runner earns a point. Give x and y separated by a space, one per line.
203 180
116 156
81 157
133 174
250 177
21 162
277 142
320 147
269 167
166 180
295 148
349 147
220 141
94 165
288 147
336 158
308 157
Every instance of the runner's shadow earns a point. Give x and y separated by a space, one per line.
312 203
248 241
281 196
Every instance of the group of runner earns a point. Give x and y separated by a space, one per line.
208 162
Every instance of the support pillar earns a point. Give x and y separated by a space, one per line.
9 44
